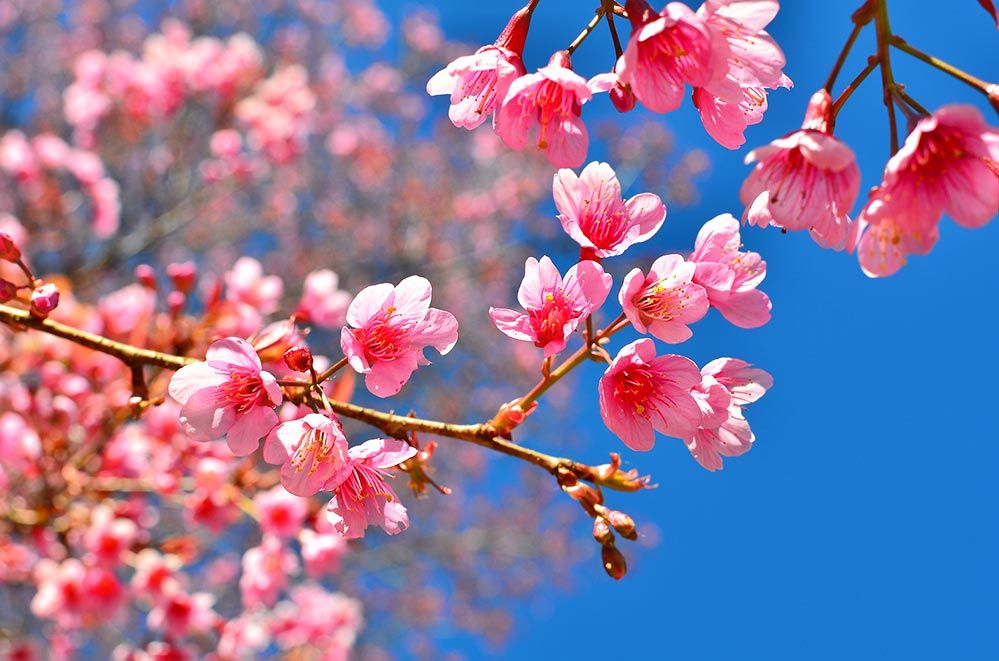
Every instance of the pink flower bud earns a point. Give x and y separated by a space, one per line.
7 290
183 275
614 563
146 276
602 532
9 251
818 115
44 300
514 35
298 358
622 97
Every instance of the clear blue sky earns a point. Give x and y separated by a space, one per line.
863 523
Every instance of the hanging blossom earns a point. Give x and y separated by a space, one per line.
228 394
730 276
727 386
478 83
641 393
949 164
309 450
746 63
389 327
361 496
594 214
554 306
666 52
806 180
663 302
544 108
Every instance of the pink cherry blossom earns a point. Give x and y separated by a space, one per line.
946 166
729 275
594 214
746 63
61 594
246 283
310 450
477 83
156 575
641 393
361 496
280 512
20 446
666 300
544 108
727 386
181 614
806 180
108 536
389 327
666 52
323 303
321 552
265 572
554 307
227 395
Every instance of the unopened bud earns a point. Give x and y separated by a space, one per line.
583 494
622 97
602 532
298 358
44 300
614 563
183 275
560 58
622 523
146 276
818 115
639 13
274 339
8 290
9 252
993 92
514 35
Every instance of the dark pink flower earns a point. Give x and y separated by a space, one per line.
544 108
389 327
667 51
807 180
594 214
666 300
554 307
361 496
641 393
729 275
227 395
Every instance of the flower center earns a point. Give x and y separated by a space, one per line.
662 300
554 104
364 482
315 448
383 339
548 322
244 389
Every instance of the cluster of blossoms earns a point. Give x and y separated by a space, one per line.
722 51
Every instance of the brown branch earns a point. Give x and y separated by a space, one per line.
481 434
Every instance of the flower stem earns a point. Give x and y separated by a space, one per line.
872 64
883 30
963 76
577 42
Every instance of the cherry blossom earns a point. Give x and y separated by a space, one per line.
227 395
389 327
310 450
594 214
554 307
361 496
642 393
663 302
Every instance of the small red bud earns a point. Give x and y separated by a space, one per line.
818 115
298 358
44 299
560 58
146 276
8 290
622 523
614 562
514 35
9 252
622 97
183 275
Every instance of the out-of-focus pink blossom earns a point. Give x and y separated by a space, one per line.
544 108
594 214
946 166
20 446
310 451
108 536
246 283
553 307
181 614
664 301
323 303
266 569
361 496
806 180
326 621
729 275
641 393
227 395
321 552
156 575
389 328
279 512
666 52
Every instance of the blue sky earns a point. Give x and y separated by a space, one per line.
863 523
